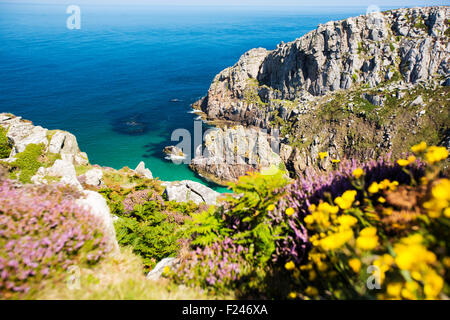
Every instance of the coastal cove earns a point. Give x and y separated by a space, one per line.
126 80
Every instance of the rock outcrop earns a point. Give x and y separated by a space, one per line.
97 206
232 152
353 88
174 154
370 49
185 191
21 133
143 171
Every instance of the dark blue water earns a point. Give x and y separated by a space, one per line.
126 64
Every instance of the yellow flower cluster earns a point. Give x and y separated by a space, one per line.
358 173
406 162
323 155
368 239
321 214
290 211
419 148
383 185
414 258
433 154
440 200
346 200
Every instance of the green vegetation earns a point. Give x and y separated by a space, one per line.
27 162
5 148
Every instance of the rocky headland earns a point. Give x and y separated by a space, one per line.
360 87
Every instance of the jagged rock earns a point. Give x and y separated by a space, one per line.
232 152
337 55
21 133
94 177
57 142
174 154
185 191
158 270
142 171
97 206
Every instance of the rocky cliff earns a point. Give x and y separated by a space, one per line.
357 87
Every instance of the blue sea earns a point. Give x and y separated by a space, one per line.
111 82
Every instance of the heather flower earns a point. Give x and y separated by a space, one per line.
43 231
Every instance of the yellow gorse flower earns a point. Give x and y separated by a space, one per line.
367 239
374 188
336 240
407 162
271 207
440 199
346 200
358 173
335 161
435 154
323 155
355 264
289 266
311 291
290 211
418 148
347 221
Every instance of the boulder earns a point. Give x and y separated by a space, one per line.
185 191
174 154
94 177
97 206
142 171
158 270
65 170
418 101
57 142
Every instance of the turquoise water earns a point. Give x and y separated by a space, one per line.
125 65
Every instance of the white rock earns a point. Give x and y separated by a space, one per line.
94 177
158 270
65 170
141 170
417 101
97 206
185 191
57 142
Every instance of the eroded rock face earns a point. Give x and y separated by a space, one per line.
369 49
185 191
21 133
232 152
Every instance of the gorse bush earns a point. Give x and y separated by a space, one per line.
5 148
42 233
378 238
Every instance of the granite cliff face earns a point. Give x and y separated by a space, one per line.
351 88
